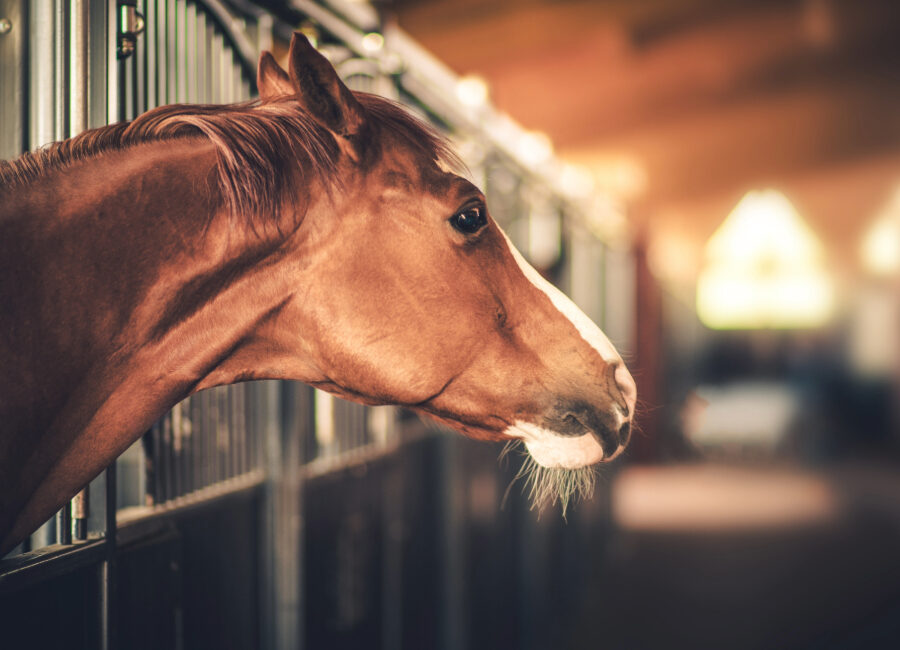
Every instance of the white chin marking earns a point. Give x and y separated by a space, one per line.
585 326
550 449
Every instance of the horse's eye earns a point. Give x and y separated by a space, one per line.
469 221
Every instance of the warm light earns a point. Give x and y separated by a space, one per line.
534 148
544 234
880 246
621 174
373 42
764 268
576 181
472 91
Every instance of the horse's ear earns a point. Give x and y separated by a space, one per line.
321 92
271 80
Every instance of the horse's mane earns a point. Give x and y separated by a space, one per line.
257 145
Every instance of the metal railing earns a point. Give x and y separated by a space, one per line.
272 437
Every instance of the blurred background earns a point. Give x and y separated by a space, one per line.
755 147
715 182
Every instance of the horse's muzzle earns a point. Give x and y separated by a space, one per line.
609 424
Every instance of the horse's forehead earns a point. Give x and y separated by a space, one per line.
418 175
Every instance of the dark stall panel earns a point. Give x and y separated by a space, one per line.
344 559
221 565
58 613
492 595
422 537
189 578
149 605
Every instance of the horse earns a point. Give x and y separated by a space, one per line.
313 234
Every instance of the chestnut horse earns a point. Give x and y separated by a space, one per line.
316 234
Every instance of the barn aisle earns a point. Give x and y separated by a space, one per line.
717 571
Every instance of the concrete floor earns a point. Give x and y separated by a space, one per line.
828 578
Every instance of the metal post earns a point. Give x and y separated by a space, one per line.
61 66
181 51
190 64
80 513
151 47
41 45
108 633
284 416
72 119
171 53
13 72
64 524
161 50
79 20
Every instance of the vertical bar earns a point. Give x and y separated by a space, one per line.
151 47
177 450
121 91
232 430
190 66
187 451
241 422
199 440
106 102
181 48
108 637
235 430
80 512
171 53
167 461
127 104
42 74
280 417
191 480
216 69
249 422
222 439
210 63
159 495
140 62
212 425
64 524
162 65
13 73
203 45
227 78
197 479
61 65
79 21
237 79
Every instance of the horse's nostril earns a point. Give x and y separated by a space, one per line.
624 433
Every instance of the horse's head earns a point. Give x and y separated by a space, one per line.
421 299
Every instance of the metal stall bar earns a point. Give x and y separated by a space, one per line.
13 45
181 94
79 21
171 53
147 46
41 74
191 49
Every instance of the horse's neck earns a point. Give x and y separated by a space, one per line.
119 283
83 247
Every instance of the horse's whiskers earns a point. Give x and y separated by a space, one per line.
546 486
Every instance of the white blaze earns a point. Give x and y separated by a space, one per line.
585 326
547 447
